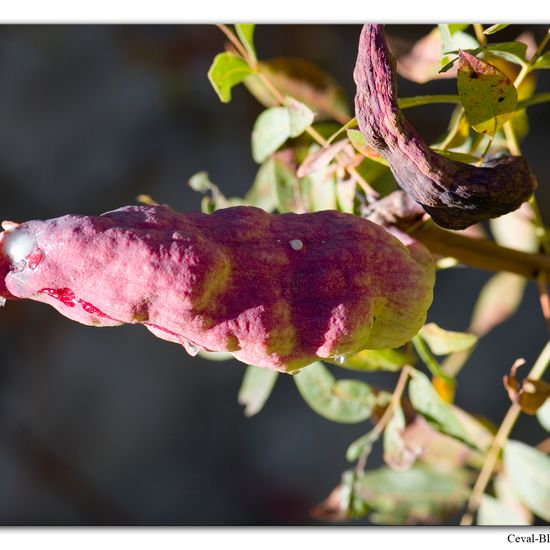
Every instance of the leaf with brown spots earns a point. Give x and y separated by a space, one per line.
487 95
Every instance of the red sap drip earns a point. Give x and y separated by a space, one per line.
64 295
34 259
67 297
161 328
92 310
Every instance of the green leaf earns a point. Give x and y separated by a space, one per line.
493 511
495 28
305 82
543 415
271 130
397 455
453 39
377 359
345 194
498 300
216 355
459 157
262 193
346 401
543 62
515 52
319 191
300 116
421 494
487 95
358 141
226 71
426 400
276 124
442 342
246 36
516 230
529 472
255 389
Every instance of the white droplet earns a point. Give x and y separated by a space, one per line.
190 347
296 244
339 359
2 301
17 245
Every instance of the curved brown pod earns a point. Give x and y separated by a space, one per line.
456 195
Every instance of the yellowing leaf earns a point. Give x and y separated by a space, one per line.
442 342
226 71
487 95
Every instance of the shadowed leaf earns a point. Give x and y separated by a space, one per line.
346 401
304 81
528 469
398 455
256 388
498 301
493 511
421 494
425 400
543 415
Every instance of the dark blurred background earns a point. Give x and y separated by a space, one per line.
115 426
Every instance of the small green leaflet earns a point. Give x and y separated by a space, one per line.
377 359
425 400
442 342
246 36
543 62
345 401
276 124
487 95
495 28
227 70
528 469
255 389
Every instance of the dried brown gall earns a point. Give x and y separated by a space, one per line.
456 195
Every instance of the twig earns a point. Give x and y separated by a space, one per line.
368 439
481 253
500 439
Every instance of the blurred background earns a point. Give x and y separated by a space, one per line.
114 426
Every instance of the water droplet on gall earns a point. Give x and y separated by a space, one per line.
190 347
338 358
296 244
